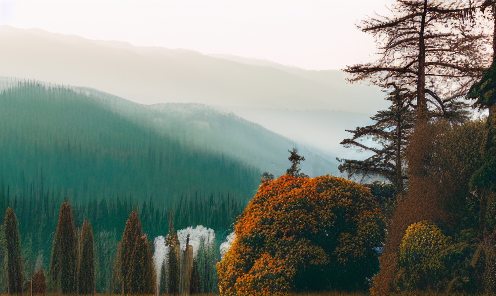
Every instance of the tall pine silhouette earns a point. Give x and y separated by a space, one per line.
86 277
63 262
14 264
134 266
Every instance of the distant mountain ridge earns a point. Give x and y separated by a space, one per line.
159 75
312 108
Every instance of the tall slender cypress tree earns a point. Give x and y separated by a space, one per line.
141 276
13 242
132 233
172 258
86 277
63 262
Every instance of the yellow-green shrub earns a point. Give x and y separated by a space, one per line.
421 256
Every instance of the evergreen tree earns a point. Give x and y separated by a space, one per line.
86 270
63 261
172 241
38 283
295 159
13 242
418 54
140 277
133 257
391 130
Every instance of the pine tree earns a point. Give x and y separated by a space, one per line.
86 270
140 277
418 54
391 131
172 258
295 159
134 262
63 261
38 283
13 242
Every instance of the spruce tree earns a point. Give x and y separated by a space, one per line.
86 270
140 277
38 283
63 262
172 258
295 159
128 253
390 133
13 242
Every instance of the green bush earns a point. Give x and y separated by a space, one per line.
422 257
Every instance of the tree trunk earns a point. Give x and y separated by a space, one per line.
421 100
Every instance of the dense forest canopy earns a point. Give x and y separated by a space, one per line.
66 141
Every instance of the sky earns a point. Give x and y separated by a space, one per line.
309 34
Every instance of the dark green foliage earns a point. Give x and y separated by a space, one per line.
266 176
105 253
140 277
390 131
173 272
13 246
63 261
484 90
86 270
295 159
386 195
3 255
38 217
205 269
72 142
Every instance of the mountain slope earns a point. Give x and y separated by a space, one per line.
159 75
68 142
224 133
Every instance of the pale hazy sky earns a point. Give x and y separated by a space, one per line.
311 34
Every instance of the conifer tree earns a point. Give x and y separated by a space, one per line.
419 54
130 252
38 283
295 159
391 131
172 258
13 242
63 262
86 270
140 277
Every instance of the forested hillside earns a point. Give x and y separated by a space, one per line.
65 140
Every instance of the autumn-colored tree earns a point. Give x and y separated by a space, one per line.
427 49
86 270
63 261
438 191
300 234
38 283
13 243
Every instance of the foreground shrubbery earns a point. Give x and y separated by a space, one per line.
302 234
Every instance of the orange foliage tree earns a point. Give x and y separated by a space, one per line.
301 234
